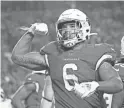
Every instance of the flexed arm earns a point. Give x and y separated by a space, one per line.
22 54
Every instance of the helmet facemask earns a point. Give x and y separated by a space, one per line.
71 32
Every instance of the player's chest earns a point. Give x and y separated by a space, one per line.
71 63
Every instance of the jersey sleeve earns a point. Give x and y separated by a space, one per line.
108 55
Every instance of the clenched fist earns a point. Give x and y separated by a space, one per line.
37 28
40 27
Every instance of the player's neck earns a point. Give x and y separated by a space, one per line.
76 47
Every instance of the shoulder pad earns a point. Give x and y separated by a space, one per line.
107 48
108 55
49 48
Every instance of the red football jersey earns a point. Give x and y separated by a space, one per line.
120 69
77 65
34 99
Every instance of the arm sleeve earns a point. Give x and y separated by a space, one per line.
108 56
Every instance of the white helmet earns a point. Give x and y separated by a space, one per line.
80 34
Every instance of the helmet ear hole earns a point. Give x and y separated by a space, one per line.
87 30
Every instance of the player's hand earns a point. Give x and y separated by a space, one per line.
37 28
79 90
90 88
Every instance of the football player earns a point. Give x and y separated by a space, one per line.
29 95
118 98
80 72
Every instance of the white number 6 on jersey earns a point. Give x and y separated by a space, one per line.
67 77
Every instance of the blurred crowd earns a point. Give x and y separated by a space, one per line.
106 19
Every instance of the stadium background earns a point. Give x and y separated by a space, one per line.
106 17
